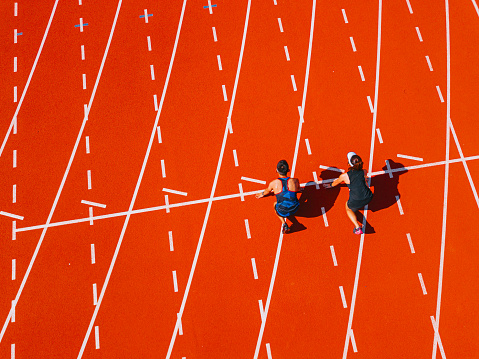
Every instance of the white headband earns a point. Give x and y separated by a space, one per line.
350 154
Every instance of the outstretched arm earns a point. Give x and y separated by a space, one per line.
342 178
266 192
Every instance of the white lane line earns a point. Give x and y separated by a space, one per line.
466 168
268 351
92 252
14 127
261 309
95 296
252 180
15 64
90 211
15 96
180 324
240 187
439 93
411 246
308 147
15 36
315 178
225 96
475 6
235 157
14 193
210 7
158 131
167 204
274 2
248 233
79 2
15 9
438 337
175 192
152 72
410 157
331 169
155 102
325 219
286 52
353 45
300 111
215 38
398 201
13 311
14 269
353 341
93 204
409 6
82 49
424 292
344 16
87 144
163 171
419 34
11 215
84 81
380 138
220 67
85 111
371 108
361 73
14 158
333 255
294 83
388 166
148 40
29 79
175 282
14 230
280 25
88 175
429 63
146 16
255 272
170 240
97 337
343 297
12 351
229 125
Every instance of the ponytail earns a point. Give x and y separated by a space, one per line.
356 163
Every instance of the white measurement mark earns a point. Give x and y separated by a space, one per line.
343 297
11 215
280 25
12 351
14 269
274 2
409 6
410 157
225 97
175 192
85 111
353 45
14 158
210 7
261 309
429 63
93 203
333 254
82 48
398 201
308 147
13 311
301 114
97 337
92 250
353 341
155 102
159 134
84 81
14 230
215 38
90 213
95 295
148 40
389 169
344 16
380 138
152 71
14 193
163 172
371 107
15 67
422 283
268 351
15 126
331 168
87 144
294 83
255 272
15 9
252 180
235 157
408 235
439 93
419 34
436 333
170 238
15 95
180 325
15 36
175 282
220 67
167 204
325 219
361 73
240 186
248 233
315 177
286 52
146 16
88 175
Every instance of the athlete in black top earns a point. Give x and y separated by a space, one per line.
359 193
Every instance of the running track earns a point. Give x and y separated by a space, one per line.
132 130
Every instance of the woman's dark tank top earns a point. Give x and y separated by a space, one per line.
358 190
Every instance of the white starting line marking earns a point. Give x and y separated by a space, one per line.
15 9
331 169
14 269
268 351
408 235
82 48
422 284
215 38
14 158
87 144
148 40
175 192
255 272
419 34
97 337
163 172
315 177
180 325
93 204
410 157
333 254
380 138
252 180
220 67
398 201
167 204
438 337
389 169
371 107
361 73
261 309
170 238
152 71
15 95
225 96
90 212
280 25
429 63
294 83
240 186
14 193
15 67
344 16
88 175
155 102
11 215
235 157
343 297
439 93
13 311
175 282
286 52
324 217
409 6
353 341
84 81
353 45
158 131
95 295
92 250
248 233
308 147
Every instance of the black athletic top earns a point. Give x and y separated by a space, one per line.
359 193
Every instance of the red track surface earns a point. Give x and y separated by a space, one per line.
142 244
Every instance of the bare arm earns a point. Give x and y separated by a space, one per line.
342 178
267 191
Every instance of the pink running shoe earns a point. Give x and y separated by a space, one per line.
358 230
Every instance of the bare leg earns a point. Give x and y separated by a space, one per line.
282 219
352 216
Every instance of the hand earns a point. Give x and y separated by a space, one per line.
327 185
259 195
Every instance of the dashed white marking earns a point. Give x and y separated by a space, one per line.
79 2
353 45
84 81
15 37
331 168
419 34
15 62
422 283
308 147
15 126
429 63
15 95
14 193
158 130
14 230
92 252
235 157
325 219
408 235
146 16
180 325
220 67
315 177
410 157
175 192
148 41
229 126
274 2
215 38
280 25
155 102
175 282
255 272
398 201
261 309
85 111
353 341
87 144
90 212
81 24
88 175
15 9
294 83
240 186
225 97
268 351
152 71
371 107
252 180
170 238
97 337
210 7
163 171
286 52
96 204
409 6
14 158
344 16
14 269
13 311
380 138
11 215
343 297
475 7
248 233
82 49
333 254
301 114
389 169
439 93
95 294
167 204
12 351
361 73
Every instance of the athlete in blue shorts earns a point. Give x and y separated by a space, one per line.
285 189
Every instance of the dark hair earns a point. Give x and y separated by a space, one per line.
357 163
282 167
